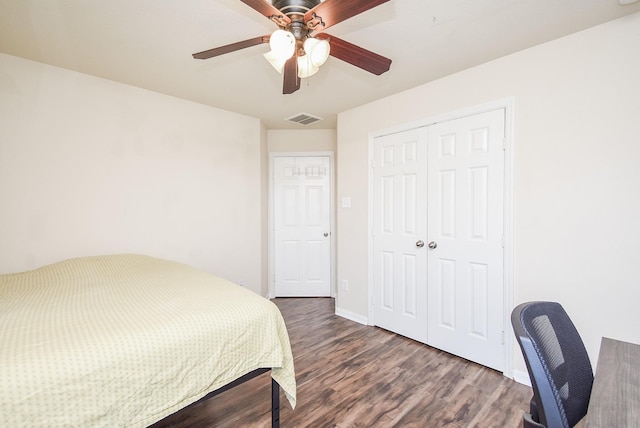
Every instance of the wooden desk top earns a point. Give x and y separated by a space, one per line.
615 397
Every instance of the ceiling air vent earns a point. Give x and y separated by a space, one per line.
303 119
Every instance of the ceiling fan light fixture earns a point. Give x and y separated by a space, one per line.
283 44
296 21
275 61
317 50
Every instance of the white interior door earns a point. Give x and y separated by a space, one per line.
466 226
442 186
302 262
400 211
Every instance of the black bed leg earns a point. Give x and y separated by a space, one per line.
275 404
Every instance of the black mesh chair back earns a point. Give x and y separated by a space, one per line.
557 362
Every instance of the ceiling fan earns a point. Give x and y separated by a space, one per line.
299 46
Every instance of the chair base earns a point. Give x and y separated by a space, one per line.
528 422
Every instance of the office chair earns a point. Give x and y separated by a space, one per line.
557 362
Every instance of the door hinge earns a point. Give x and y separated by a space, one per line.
505 146
502 337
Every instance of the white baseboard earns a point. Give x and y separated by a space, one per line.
521 377
352 316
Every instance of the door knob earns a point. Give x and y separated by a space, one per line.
433 245
420 244
326 234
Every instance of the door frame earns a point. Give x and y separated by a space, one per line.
509 105
271 229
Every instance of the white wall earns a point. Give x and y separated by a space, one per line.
301 140
577 173
89 166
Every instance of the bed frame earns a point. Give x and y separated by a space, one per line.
275 394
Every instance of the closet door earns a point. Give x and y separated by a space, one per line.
466 224
400 212
438 223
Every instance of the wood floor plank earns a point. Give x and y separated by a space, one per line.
350 375
428 411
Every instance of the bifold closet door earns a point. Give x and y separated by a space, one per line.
438 224
399 251
466 226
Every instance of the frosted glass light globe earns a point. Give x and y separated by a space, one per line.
317 50
283 44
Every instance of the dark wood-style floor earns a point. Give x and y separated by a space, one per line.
350 375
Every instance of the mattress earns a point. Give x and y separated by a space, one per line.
126 340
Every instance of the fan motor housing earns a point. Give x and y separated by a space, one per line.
295 7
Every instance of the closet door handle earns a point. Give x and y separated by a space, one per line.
420 244
433 245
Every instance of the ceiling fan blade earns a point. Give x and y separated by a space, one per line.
291 81
231 48
355 55
266 9
330 12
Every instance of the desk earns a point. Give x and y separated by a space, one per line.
615 397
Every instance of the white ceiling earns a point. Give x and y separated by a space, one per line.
148 43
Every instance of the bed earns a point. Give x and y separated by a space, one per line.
126 340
